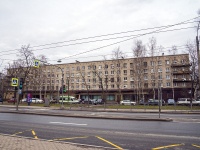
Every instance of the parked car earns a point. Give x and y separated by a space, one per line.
142 102
53 101
12 100
24 100
183 101
155 102
86 101
1 100
99 101
196 102
37 100
127 102
70 99
170 102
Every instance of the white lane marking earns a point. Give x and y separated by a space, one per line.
69 123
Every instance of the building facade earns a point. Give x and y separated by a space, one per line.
166 76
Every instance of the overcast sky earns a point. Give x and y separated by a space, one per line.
39 22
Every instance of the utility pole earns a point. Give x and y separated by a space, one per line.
197 42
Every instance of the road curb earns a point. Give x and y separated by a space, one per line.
93 117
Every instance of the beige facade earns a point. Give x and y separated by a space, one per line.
114 79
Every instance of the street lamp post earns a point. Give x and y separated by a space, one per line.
198 54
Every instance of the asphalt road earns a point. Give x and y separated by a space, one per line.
118 134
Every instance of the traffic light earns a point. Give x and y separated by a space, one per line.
64 88
20 83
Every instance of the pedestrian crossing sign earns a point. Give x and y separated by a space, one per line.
14 82
36 63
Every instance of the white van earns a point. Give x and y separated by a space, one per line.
66 99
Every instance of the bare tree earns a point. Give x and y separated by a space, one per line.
191 49
118 56
153 66
139 51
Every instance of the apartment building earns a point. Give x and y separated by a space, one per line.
114 80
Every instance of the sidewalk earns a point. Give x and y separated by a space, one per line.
9 142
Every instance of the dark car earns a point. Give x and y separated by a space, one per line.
86 101
155 102
142 102
12 100
99 101
1 100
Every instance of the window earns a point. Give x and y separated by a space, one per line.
159 62
118 71
77 68
167 69
152 70
88 73
145 77
145 71
183 61
106 66
183 84
83 67
125 72
112 72
125 78
167 77
118 79
175 76
183 69
94 67
94 80
175 69
183 76
160 77
146 85
125 65
159 69
72 68
152 63
112 80
112 66
175 84
174 62
145 64
83 86
167 62
100 67
72 74
89 67
88 80
112 86
131 65
168 84
72 80
118 65
131 72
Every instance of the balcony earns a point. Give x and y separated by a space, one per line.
180 65
182 80
180 72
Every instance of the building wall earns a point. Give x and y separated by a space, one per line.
122 78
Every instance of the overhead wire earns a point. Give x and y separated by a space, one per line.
85 38
156 31
132 36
